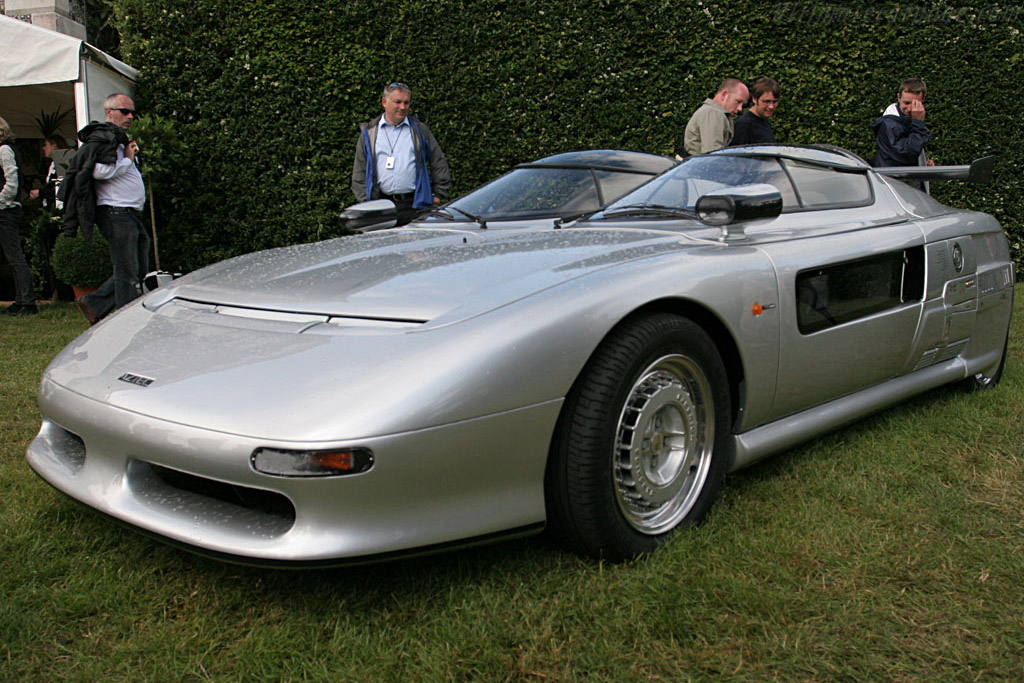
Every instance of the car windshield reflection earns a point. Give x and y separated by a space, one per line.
533 193
674 194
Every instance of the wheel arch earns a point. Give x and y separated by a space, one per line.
709 322
719 332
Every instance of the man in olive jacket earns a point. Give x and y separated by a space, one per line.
711 127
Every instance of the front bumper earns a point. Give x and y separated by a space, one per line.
429 488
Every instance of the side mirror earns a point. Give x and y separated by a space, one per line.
157 278
376 214
730 207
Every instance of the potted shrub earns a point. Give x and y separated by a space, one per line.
83 265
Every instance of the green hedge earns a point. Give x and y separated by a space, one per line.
267 95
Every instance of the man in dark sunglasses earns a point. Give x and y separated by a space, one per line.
398 158
103 186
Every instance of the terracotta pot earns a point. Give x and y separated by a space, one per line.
82 291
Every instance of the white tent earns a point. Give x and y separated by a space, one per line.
42 71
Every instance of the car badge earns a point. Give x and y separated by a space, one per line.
958 257
136 379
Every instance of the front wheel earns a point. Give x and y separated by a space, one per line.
643 440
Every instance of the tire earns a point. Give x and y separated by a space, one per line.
643 440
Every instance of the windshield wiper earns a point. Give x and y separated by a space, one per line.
562 220
650 210
467 214
442 213
445 213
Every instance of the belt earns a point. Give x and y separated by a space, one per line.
401 197
120 209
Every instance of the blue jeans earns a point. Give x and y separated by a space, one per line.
129 254
10 243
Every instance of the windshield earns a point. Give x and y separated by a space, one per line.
681 187
541 192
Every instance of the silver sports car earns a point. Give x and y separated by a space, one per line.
450 382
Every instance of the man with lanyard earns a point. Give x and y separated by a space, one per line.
398 158
108 161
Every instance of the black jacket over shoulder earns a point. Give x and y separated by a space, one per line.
78 191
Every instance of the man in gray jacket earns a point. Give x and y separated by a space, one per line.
398 158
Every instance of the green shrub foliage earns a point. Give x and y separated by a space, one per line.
79 263
267 95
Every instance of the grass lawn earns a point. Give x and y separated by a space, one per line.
890 550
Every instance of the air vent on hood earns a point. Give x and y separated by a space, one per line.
275 320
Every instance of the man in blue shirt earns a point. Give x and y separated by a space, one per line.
398 158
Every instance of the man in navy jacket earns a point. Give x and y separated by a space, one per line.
900 133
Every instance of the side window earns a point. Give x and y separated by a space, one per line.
774 175
615 184
837 294
737 170
820 187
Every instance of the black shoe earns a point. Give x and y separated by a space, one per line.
21 309
90 315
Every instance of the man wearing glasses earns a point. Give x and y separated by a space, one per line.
753 127
398 158
103 185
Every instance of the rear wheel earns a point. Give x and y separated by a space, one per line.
983 381
643 440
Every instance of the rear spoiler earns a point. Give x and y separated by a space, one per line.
979 171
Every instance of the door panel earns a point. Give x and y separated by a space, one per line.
849 320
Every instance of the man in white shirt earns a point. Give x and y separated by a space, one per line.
120 196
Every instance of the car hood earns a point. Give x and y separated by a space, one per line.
356 336
412 274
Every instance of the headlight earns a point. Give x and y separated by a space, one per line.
333 463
